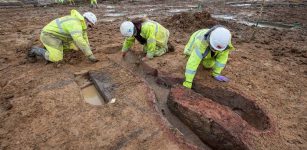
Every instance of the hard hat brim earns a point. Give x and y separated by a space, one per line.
214 47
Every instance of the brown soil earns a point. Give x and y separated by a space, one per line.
284 11
41 106
188 22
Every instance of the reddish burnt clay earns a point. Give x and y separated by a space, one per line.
217 125
243 105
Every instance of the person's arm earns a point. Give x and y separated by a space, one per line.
129 41
86 37
220 62
77 34
192 65
149 31
151 45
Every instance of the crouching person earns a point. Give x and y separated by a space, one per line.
68 32
210 47
149 33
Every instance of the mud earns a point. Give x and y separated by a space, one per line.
42 107
251 115
276 41
150 75
92 96
273 11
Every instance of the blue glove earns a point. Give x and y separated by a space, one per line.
221 78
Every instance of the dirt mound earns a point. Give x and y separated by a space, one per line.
190 21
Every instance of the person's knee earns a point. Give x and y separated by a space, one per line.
54 57
57 59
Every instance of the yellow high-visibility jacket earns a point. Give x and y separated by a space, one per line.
93 2
199 50
71 28
155 34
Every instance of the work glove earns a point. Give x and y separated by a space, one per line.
221 78
187 84
92 58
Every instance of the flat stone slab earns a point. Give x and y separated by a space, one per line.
103 84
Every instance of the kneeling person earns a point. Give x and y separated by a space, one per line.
68 32
149 33
211 47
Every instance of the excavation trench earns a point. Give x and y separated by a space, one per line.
88 90
221 118
239 103
92 96
245 108
233 105
216 125
132 62
242 105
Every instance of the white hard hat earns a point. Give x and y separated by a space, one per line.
127 28
90 17
220 38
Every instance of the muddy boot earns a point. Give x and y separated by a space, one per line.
31 57
170 46
34 52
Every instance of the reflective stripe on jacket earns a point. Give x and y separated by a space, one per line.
68 28
199 50
154 33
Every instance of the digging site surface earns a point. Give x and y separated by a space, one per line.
143 105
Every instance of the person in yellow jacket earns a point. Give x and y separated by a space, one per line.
68 32
94 4
210 47
149 33
72 2
59 1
